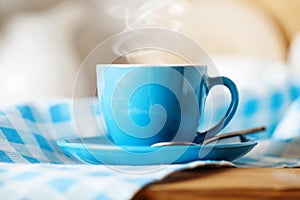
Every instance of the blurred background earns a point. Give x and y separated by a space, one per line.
254 42
43 42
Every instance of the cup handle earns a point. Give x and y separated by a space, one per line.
213 81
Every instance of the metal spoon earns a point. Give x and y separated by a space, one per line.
211 139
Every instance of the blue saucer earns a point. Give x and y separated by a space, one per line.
98 150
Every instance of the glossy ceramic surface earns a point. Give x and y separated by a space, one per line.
146 104
98 150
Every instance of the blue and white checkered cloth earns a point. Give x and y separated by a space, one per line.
28 134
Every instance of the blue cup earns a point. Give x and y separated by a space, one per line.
146 104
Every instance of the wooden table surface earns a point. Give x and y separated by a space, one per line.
227 183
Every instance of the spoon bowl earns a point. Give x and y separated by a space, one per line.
212 139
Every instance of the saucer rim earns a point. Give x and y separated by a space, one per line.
65 143
102 154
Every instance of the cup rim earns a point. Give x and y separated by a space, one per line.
149 65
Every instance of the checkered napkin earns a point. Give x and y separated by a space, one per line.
28 134
49 181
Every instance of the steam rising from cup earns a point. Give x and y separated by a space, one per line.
145 14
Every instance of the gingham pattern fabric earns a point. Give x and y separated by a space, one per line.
50 181
28 133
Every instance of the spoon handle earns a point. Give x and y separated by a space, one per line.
234 133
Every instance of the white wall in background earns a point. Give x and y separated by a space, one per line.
37 55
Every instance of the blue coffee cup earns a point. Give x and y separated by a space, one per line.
146 104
